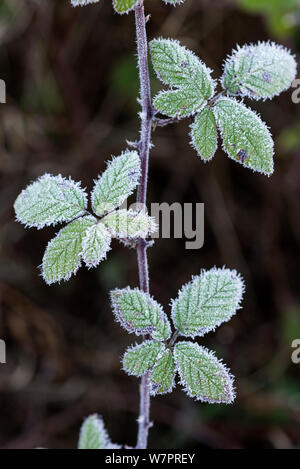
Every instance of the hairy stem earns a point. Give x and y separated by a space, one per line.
144 148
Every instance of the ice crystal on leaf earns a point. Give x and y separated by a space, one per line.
138 312
129 224
202 375
117 182
203 304
178 67
62 257
81 3
141 358
93 434
207 301
259 71
124 6
50 200
246 138
95 244
163 374
204 134
53 199
173 2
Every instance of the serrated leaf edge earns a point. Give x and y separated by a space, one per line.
183 289
173 384
259 119
62 218
124 12
223 367
79 264
192 140
108 164
137 346
88 264
230 58
128 327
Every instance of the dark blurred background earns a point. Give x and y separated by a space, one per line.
72 84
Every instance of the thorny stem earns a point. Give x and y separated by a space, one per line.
144 148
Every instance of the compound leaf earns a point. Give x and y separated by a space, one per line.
116 183
246 138
259 71
207 301
163 374
204 134
141 358
129 224
50 200
62 257
138 312
124 6
93 434
95 244
203 376
179 67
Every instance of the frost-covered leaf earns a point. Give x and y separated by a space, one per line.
207 301
138 312
246 138
179 67
178 103
204 134
129 224
93 434
124 6
62 257
141 358
259 71
79 3
163 374
95 244
50 200
116 183
202 375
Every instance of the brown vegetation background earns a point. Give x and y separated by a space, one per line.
72 84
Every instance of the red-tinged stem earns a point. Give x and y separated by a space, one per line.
144 148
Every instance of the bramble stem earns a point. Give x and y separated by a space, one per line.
144 148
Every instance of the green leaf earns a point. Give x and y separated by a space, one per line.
141 358
179 103
93 434
130 224
50 200
204 134
95 244
207 301
138 312
116 183
203 376
163 374
62 257
246 138
81 3
179 67
259 71
124 6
